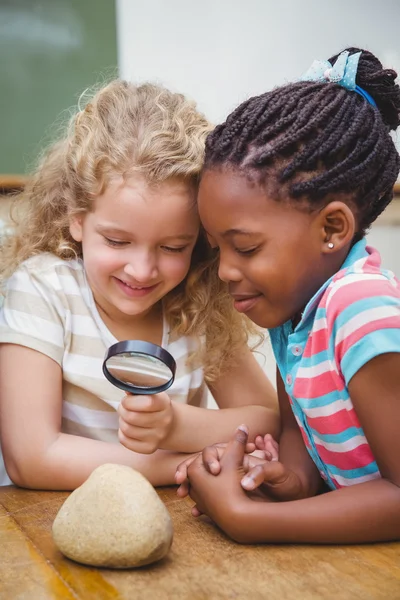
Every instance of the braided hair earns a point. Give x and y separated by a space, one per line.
307 141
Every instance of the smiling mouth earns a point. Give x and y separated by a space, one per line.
138 287
135 290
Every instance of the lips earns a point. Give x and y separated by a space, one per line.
136 287
134 291
245 302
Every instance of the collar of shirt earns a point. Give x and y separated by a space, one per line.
357 252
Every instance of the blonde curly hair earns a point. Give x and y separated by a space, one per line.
125 129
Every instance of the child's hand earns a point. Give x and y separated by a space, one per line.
145 421
271 476
268 445
222 497
211 456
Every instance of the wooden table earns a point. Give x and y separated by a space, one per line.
202 564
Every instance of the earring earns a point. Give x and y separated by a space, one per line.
331 245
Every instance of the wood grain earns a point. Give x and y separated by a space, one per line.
202 564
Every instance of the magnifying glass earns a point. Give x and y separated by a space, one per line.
139 367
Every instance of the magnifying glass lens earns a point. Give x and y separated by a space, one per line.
140 370
139 367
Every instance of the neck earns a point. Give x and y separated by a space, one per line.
147 326
330 268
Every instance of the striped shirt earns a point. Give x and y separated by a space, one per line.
354 317
49 307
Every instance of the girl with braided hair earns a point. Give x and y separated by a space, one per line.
292 180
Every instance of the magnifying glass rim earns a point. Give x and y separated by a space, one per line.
147 348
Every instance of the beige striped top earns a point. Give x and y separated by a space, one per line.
49 306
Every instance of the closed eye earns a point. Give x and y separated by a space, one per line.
115 243
174 249
247 251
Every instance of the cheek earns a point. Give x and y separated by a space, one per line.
99 258
176 267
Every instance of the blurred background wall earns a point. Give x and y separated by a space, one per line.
222 51
50 51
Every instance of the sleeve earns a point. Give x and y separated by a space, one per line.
364 319
32 314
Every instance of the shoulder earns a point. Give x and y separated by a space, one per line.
47 281
47 270
47 263
362 289
361 315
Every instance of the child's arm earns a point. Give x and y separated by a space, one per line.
365 512
292 451
244 394
36 454
294 476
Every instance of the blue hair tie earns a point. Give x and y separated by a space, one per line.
343 72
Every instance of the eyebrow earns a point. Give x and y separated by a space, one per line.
110 229
232 232
184 236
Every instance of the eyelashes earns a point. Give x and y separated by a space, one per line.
176 250
247 252
121 244
114 243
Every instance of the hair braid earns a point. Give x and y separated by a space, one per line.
307 140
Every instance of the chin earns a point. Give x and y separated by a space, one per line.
135 311
267 320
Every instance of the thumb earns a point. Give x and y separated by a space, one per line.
272 473
235 450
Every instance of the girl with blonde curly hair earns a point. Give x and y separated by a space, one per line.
107 247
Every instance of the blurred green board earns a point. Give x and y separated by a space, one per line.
50 52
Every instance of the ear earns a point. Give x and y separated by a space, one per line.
75 227
338 226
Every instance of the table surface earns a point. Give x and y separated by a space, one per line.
202 565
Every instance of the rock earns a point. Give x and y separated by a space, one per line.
115 519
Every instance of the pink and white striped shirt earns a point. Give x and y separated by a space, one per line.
354 317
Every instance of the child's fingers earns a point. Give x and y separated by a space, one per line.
182 469
181 473
250 461
271 473
271 447
148 403
254 478
250 447
196 512
235 450
259 442
183 489
212 456
211 459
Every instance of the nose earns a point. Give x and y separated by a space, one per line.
142 267
227 271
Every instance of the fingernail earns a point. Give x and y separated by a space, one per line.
247 482
242 434
212 465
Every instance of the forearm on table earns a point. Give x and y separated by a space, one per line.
367 512
194 427
69 460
